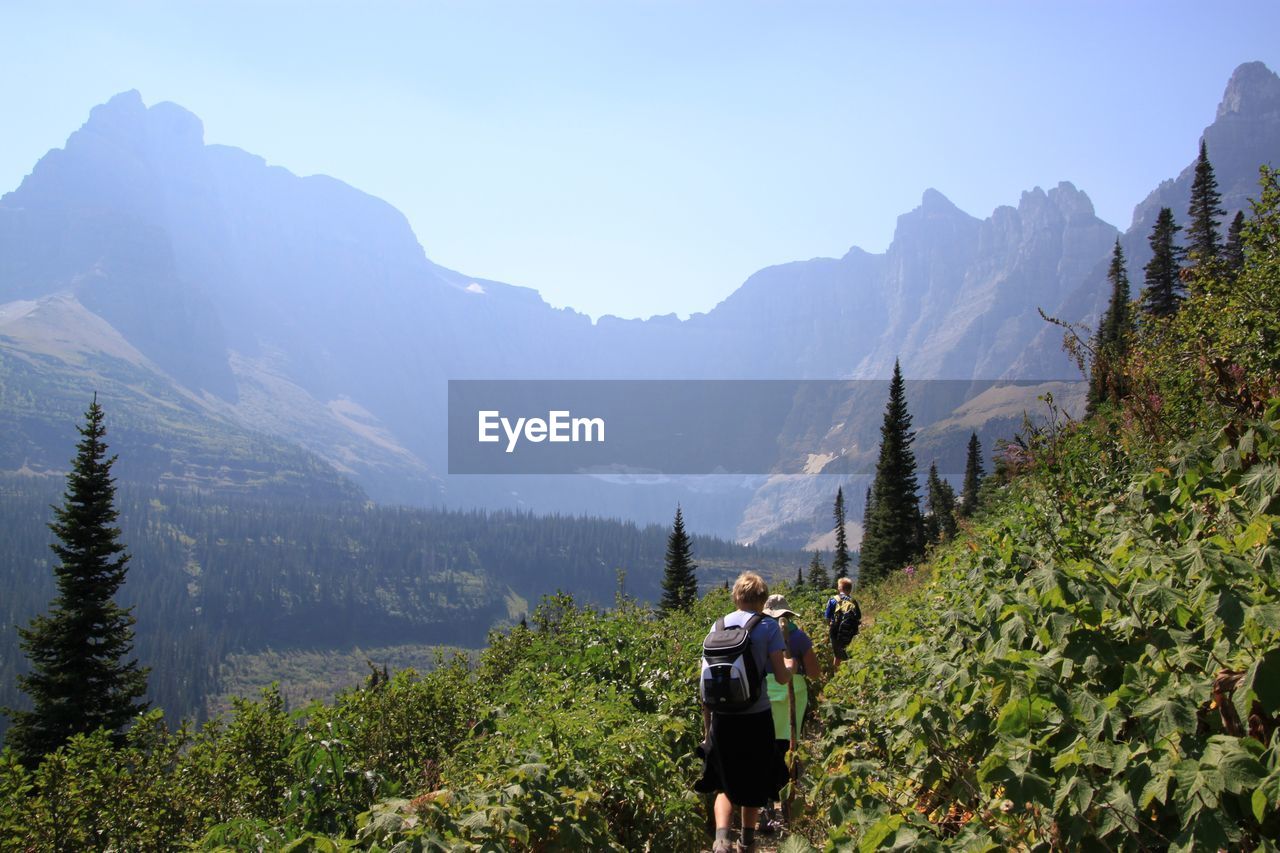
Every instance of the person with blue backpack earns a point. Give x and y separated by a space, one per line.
740 764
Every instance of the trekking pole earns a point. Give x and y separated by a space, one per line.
791 715
791 750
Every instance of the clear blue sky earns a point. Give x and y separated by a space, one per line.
645 157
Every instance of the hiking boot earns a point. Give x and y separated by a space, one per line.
723 847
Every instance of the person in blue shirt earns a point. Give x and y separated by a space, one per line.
740 764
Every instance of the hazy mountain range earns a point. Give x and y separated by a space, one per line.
251 329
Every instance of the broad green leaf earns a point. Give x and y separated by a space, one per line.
1117 798
1190 782
1209 833
1015 717
1077 794
1158 596
1241 771
1266 796
1263 678
1069 757
1170 714
1266 615
796 844
1257 533
1156 789
1226 605
878 832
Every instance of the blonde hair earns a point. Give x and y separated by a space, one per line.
844 585
750 591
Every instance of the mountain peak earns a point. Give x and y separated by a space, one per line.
122 102
126 117
1070 200
934 200
1253 88
120 111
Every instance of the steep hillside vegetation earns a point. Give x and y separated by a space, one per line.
1096 663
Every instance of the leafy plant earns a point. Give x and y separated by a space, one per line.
1091 666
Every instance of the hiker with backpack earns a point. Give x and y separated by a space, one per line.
844 618
740 764
789 701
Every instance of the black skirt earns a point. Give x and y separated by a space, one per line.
741 760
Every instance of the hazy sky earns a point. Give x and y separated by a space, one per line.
646 157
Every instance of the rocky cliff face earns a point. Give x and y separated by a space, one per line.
1244 135
967 291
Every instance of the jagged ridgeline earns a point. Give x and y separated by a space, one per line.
248 326
238 574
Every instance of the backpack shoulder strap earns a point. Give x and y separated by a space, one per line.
719 626
751 623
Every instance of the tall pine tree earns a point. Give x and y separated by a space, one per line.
940 521
1163 291
1203 242
973 474
818 577
680 578
1111 342
894 533
1233 251
81 676
840 560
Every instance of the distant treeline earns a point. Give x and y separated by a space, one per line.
215 575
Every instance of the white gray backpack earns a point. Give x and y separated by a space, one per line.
730 678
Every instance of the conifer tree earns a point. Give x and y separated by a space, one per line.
1163 291
840 560
818 577
680 578
81 676
1233 251
800 578
1203 242
894 533
973 474
1112 339
940 522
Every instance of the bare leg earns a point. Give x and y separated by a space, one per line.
724 823
724 812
